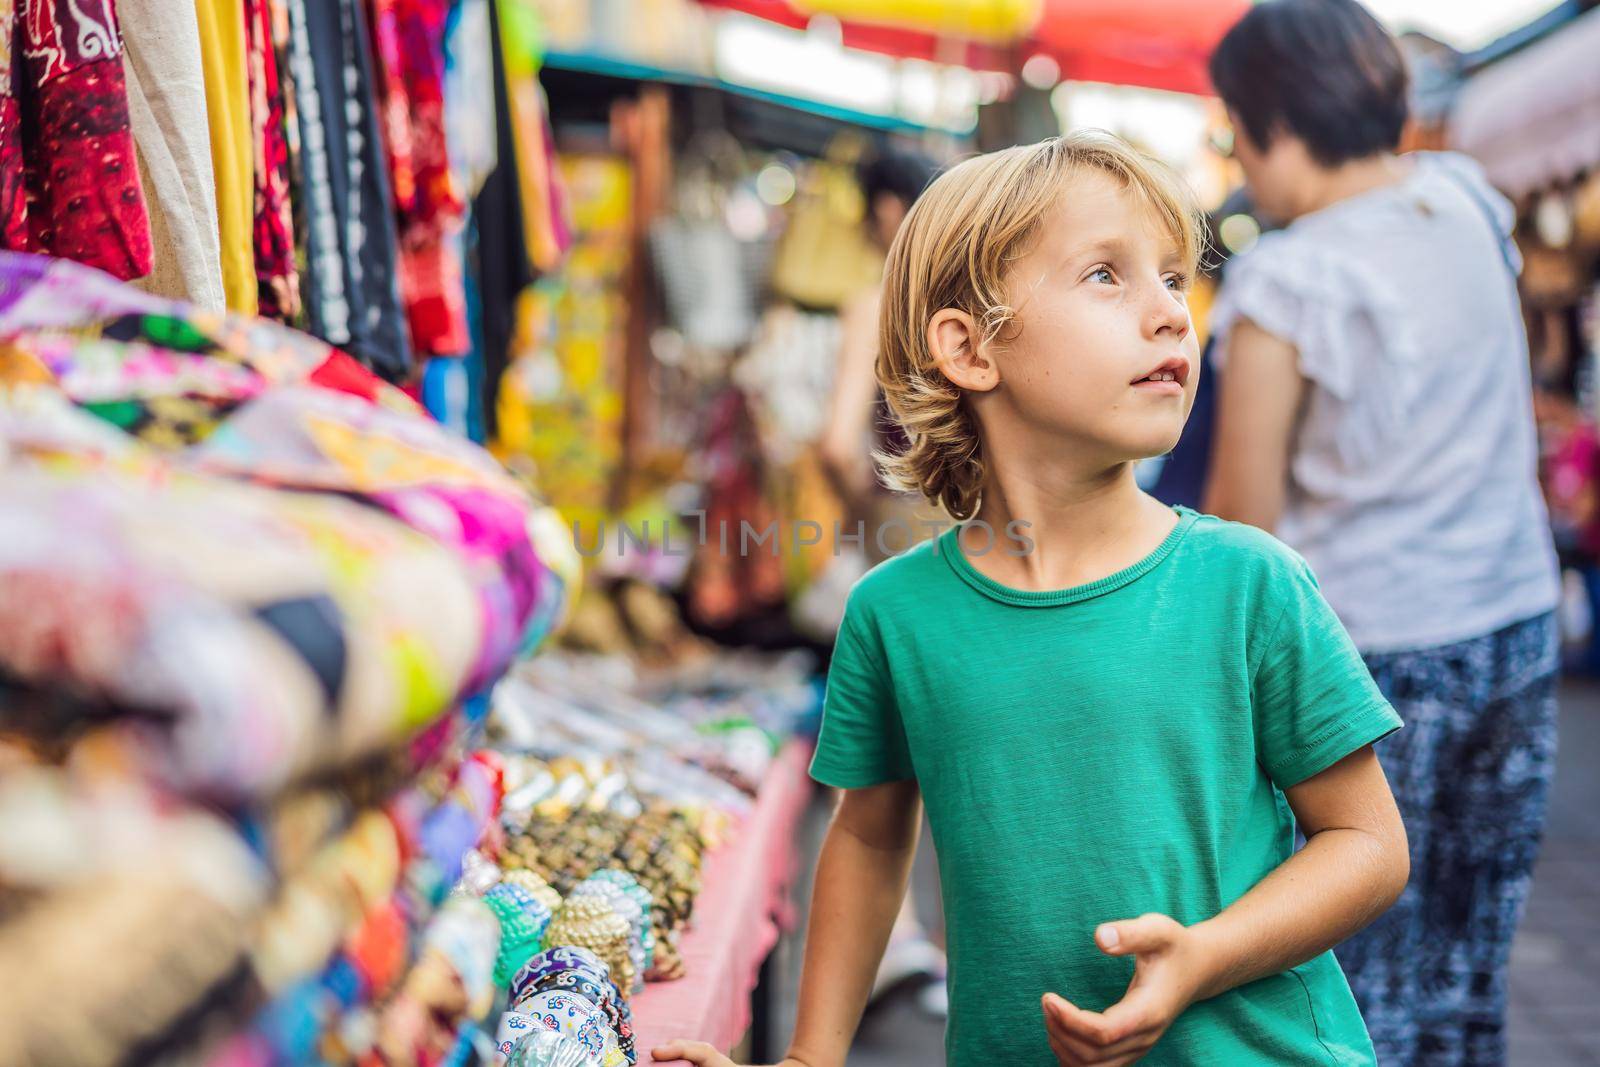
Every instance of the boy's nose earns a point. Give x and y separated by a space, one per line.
1167 314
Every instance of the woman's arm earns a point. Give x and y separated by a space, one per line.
861 879
850 406
1256 412
1353 867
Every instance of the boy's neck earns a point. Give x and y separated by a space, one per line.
1083 528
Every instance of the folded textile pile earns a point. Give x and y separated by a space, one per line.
269 560
252 600
315 929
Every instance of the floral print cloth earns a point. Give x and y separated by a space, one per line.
408 44
278 277
69 182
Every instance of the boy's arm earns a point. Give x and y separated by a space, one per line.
861 878
1353 867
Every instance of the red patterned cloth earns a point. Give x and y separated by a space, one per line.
408 43
69 185
279 280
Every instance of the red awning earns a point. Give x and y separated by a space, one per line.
1158 44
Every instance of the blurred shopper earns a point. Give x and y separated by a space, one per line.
1375 413
858 422
1108 707
858 425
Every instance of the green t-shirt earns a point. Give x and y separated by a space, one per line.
1096 753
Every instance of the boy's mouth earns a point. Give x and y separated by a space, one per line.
1174 371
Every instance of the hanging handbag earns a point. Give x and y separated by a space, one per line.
824 257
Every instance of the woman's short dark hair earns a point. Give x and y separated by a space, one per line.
899 173
1324 71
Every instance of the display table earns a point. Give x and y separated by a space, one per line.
735 921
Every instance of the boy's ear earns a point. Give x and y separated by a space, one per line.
955 343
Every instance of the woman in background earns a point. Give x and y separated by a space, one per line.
1375 413
859 424
858 421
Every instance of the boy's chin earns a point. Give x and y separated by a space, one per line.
1150 445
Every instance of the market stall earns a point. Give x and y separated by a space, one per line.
260 798
255 599
745 903
257 605
324 737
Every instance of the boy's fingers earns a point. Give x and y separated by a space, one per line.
1068 1045
1071 1053
1122 1060
697 1052
1080 1054
1147 933
1133 1013
1066 1055
1086 1026
1119 1035
1129 1048
1069 1050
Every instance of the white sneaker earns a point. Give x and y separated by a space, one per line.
934 999
907 958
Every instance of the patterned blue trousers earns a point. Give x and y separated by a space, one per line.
1471 772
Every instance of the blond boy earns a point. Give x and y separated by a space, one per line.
1115 713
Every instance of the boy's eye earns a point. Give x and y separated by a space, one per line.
1102 275
1177 283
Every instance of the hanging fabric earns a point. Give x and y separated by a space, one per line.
545 227
277 279
222 55
294 151
453 388
167 109
353 300
408 47
69 180
469 96
548 229
503 268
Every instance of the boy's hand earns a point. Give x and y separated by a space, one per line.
698 1052
1168 975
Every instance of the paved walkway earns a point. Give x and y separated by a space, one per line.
1555 964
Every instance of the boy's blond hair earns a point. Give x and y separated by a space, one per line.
954 250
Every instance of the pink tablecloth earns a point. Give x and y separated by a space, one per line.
735 924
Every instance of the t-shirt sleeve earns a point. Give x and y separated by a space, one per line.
1344 323
862 742
1353 336
1314 700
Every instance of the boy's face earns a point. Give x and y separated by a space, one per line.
1103 352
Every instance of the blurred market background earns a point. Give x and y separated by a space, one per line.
328 700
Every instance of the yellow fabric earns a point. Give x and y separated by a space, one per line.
222 54
1000 20
533 173
521 48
